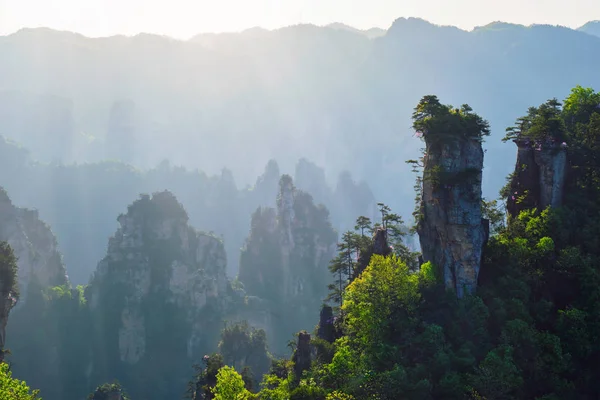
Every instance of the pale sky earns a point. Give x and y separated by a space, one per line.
185 18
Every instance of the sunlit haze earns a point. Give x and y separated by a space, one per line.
184 18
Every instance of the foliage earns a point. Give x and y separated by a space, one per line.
443 123
530 330
51 328
206 378
107 391
8 272
241 343
495 214
541 123
356 248
429 273
230 386
579 106
14 389
343 266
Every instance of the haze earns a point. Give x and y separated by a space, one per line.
186 185
185 18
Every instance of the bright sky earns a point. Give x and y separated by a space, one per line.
184 18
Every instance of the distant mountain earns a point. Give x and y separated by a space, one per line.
371 33
333 96
592 28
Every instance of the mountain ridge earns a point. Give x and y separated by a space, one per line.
329 95
373 32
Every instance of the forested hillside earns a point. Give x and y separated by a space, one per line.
503 306
523 326
234 217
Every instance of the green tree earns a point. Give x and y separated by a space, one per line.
9 288
384 210
109 391
545 122
363 224
493 212
444 123
343 266
230 386
8 272
579 106
242 343
14 389
206 378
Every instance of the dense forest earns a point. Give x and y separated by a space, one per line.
501 302
231 217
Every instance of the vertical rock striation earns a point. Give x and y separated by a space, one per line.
451 229
302 354
539 177
158 294
326 327
34 245
285 261
8 290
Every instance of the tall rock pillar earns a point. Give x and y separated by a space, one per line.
451 229
539 178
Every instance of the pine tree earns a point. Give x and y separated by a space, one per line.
343 266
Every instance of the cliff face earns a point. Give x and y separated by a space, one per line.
285 260
302 354
34 246
8 290
539 178
6 304
451 230
157 295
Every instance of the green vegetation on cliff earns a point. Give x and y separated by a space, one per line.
445 123
14 389
8 272
529 331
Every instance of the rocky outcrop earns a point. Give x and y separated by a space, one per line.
112 391
285 260
379 245
302 354
34 245
539 177
40 266
286 212
8 290
451 228
326 328
161 288
299 240
380 242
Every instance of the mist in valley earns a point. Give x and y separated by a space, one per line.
192 197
